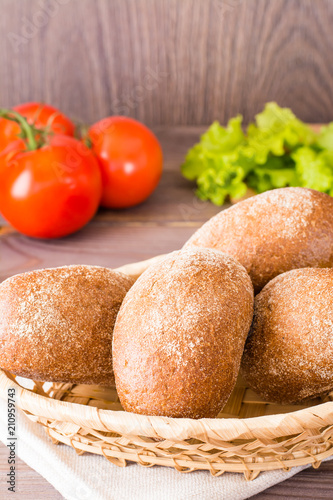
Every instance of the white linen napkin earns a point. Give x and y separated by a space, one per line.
92 477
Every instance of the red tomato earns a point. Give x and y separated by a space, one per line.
52 191
130 158
40 115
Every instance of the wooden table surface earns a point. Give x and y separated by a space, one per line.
160 225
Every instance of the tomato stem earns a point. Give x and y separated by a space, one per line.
29 131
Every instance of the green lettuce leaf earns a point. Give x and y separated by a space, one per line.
277 172
212 162
216 184
277 150
277 131
325 137
315 169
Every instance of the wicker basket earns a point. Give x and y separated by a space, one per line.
249 436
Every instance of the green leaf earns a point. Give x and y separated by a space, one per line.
277 150
325 137
215 144
277 172
220 140
195 163
212 162
276 131
315 169
216 185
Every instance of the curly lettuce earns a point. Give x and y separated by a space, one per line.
277 150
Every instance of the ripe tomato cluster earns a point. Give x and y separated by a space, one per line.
51 184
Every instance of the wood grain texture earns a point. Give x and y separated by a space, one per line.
168 61
309 484
115 238
29 486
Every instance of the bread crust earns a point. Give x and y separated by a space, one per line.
288 354
180 333
273 232
57 324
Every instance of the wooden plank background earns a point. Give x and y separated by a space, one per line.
168 62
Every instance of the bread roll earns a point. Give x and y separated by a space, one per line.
56 324
180 334
289 351
273 232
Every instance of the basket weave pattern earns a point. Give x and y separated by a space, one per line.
90 419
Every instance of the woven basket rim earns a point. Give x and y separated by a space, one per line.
122 422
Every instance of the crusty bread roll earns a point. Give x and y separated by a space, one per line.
289 351
180 334
57 324
273 232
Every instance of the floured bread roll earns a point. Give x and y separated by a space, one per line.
57 324
273 232
180 334
289 351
